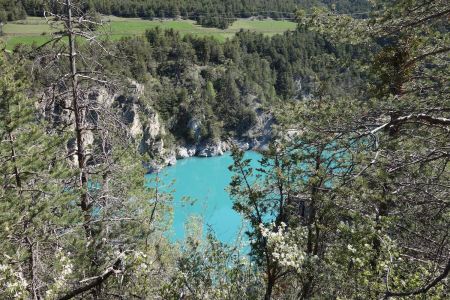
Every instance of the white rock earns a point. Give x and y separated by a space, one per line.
171 160
191 151
210 150
154 127
136 125
182 152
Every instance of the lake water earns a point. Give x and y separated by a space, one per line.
204 181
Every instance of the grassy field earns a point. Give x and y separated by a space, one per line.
37 30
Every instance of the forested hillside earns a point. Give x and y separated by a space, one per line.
224 86
215 13
11 10
350 198
227 89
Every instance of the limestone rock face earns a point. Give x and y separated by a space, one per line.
210 149
136 126
185 152
88 138
260 135
135 88
147 130
143 122
128 107
182 152
243 145
155 128
225 146
103 97
171 159
150 145
152 136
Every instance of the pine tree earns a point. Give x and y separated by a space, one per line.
34 202
118 211
370 218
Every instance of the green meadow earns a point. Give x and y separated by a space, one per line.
36 30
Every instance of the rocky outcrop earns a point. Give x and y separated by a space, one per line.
260 135
170 159
103 97
143 123
210 149
153 132
185 151
154 126
147 130
146 127
135 124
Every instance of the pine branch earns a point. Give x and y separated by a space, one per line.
424 289
96 282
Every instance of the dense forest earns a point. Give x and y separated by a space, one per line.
350 199
216 13
227 87
224 86
11 10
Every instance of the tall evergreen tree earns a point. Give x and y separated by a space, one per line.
35 200
373 219
118 211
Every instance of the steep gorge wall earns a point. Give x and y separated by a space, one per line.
151 137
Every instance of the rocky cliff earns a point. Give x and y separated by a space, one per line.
151 136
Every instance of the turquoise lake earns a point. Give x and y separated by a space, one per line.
204 181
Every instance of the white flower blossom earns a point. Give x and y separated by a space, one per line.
285 246
351 248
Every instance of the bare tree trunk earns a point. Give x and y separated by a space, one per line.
32 267
80 114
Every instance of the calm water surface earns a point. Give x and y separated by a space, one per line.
204 181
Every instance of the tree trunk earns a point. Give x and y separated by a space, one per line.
79 122
79 114
269 287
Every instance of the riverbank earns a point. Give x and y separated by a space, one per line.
207 150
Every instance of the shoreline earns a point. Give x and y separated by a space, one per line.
205 150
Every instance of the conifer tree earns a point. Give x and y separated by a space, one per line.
376 218
35 204
117 210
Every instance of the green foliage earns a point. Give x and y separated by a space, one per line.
223 87
290 201
35 200
361 173
212 270
349 202
11 11
213 13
